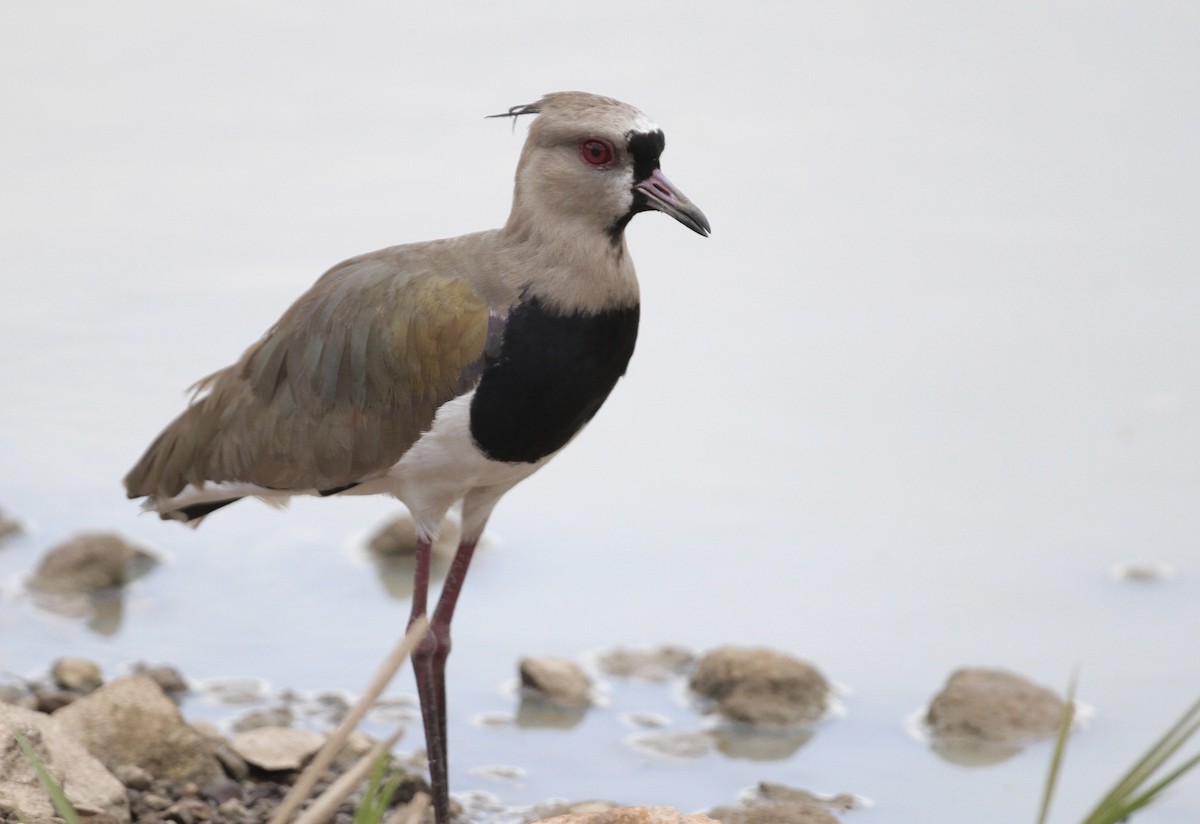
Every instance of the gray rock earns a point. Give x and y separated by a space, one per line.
168 678
994 707
9 527
281 716
758 686
631 815
657 665
89 563
88 785
276 748
131 721
76 674
557 680
19 695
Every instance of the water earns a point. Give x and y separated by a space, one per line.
933 375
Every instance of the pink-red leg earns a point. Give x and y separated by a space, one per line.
429 665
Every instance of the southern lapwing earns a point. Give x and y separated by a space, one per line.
439 372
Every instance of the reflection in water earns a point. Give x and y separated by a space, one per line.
971 752
675 744
760 744
535 712
392 549
103 611
396 571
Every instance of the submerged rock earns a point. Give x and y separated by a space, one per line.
90 562
131 721
994 707
631 815
758 686
91 788
557 680
657 665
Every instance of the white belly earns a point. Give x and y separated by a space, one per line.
445 466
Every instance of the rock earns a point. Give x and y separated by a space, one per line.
50 700
131 721
76 674
276 748
557 680
266 717
657 665
9 527
780 804
169 679
19 695
991 706
88 785
758 686
632 815
89 563
135 778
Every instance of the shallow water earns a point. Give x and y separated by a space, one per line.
931 378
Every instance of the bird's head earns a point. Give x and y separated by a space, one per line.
591 161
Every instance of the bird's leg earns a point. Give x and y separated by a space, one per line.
432 695
439 627
429 665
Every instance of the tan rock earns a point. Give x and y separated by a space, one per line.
558 680
993 706
277 748
89 563
92 789
131 721
758 686
76 674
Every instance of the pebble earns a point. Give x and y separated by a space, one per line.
655 665
76 674
133 776
558 680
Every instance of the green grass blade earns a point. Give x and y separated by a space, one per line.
1152 793
379 793
62 805
1060 747
1121 799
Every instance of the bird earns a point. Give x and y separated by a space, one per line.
441 373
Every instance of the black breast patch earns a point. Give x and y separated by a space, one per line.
551 376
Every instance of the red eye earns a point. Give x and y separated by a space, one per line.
596 152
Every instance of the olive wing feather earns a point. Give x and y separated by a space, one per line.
335 393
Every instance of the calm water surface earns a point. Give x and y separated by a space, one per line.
931 378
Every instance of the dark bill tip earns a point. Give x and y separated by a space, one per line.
662 196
